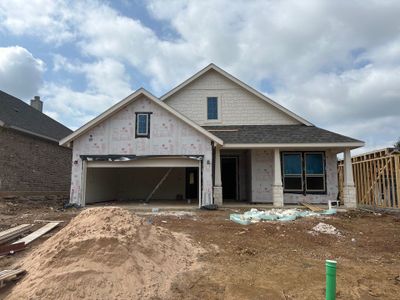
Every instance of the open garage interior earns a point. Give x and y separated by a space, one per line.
142 184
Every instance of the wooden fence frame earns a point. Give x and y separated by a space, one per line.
376 177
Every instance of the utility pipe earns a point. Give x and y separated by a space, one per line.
330 266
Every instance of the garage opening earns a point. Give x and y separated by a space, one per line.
172 185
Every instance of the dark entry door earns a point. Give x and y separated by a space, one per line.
192 183
229 176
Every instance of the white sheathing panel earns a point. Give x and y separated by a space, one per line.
261 175
262 179
239 107
116 135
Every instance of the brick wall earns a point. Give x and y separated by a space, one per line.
29 164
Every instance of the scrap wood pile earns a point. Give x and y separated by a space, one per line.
276 214
9 246
106 253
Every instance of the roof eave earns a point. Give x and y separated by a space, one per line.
351 145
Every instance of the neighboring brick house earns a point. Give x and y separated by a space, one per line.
211 139
32 164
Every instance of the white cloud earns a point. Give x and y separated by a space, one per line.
20 72
334 62
107 83
51 20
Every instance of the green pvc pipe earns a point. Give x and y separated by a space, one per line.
330 266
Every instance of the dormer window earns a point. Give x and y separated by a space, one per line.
212 108
142 125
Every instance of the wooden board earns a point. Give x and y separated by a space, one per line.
7 275
311 207
14 232
11 249
38 233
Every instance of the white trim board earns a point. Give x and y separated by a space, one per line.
241 84
299 145
146 163
123 103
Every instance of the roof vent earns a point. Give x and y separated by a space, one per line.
37 103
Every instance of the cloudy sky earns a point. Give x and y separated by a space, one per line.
336 63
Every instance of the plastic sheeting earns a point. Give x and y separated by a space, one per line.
283 215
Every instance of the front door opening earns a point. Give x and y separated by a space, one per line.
229 174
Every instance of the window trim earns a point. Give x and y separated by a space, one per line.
323 175
293 175
219 108
142 135
303 173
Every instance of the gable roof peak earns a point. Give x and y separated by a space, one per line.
126 101
245 86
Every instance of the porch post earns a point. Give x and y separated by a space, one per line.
349 189
217 177
277 188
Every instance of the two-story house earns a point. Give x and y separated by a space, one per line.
211 139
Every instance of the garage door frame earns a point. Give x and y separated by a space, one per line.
145 162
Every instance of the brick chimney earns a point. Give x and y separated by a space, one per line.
37 103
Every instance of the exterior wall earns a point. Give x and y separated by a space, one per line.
116 135
262 168
239 107
262 178
32 166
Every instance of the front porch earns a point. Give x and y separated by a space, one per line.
279 176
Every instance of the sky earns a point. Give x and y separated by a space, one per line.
335 63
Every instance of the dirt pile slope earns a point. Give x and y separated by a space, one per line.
106 253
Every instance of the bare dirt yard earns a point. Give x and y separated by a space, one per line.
265 260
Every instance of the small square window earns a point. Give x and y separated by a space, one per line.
212 108
142 125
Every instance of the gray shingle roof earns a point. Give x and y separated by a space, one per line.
277 134
15 113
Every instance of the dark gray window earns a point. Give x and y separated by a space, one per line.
304 172
142 125
212 108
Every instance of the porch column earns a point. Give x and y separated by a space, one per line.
277 188
217 177
349 189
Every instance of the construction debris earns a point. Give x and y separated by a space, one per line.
326 229
107 253
7 275
11 249
312 207
283 215
38 233
13 233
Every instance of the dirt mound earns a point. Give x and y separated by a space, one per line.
106 253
